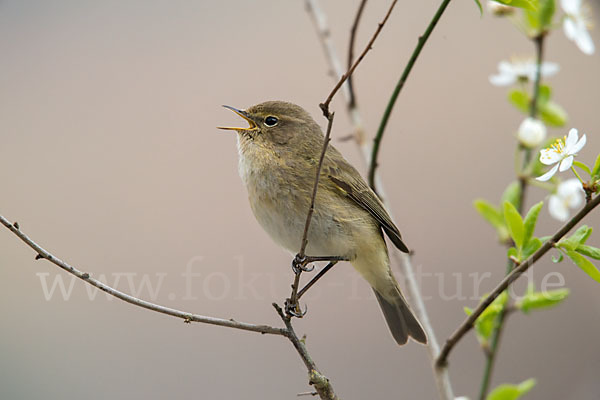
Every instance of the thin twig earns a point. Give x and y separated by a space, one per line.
442 378
388 111
518 271
353 30
325 105
84 276
314 280
292 306
523 183
319 381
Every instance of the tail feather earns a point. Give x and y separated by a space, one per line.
400 319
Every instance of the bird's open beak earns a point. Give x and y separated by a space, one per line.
242 114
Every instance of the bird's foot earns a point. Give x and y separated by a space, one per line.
292 309
300 264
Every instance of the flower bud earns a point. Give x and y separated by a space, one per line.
532 132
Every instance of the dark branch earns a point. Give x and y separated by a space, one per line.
518 271
84 276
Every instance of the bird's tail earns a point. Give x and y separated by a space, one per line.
399 317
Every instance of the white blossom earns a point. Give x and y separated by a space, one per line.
569 195
576 24
532 132
511 72
561 153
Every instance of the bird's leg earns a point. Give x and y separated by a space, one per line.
316 278
299 265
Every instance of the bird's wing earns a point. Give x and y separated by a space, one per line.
349 181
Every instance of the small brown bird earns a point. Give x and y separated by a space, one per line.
279 153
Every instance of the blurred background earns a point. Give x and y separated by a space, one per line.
110 159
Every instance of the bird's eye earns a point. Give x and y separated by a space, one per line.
271 121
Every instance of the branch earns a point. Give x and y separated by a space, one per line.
353 30
325 105
316 378
84 276
398 88
524 266
441 375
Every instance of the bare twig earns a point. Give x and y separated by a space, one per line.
441 375
353 30
84 276
398 88
518 271
315 377
325 105
311 210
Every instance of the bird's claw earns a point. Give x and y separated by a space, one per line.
300 264
292 309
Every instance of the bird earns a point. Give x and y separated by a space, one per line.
279 153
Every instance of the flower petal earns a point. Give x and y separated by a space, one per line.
570 29
549 68
557 208
571 138
548 174
549 156
578 146
571 6
584 41
566 164
502 79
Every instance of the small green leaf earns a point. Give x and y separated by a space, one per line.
585 264
575 240
512 194
479 6
546 12
514 222
583 167
492 215
531 247
596 169
559 259
544 95
589 251
511 392
531 220
519 99
536 300
582 234
553 114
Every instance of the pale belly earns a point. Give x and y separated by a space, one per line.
281 207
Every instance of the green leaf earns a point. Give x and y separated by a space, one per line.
513 253
544 95
492 215
536 300
580 236
559 259
526 4
589 251
596 169
531 247
546 12
479 6
531 220
553 114
512 194
520 99
511 392
583 167
514 222
585 264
